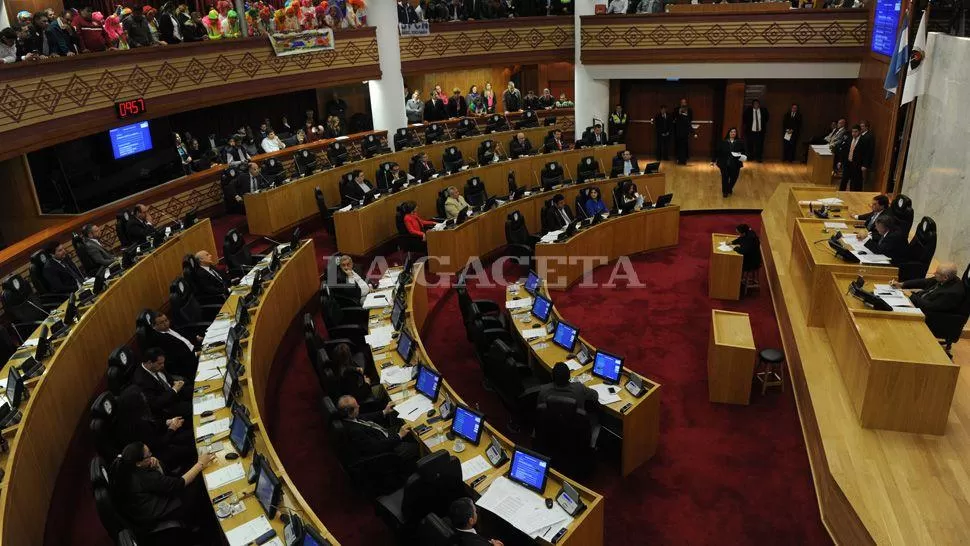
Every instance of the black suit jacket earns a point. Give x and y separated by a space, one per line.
618 165
792 123
457 107
62 277
935 296
748 117
162 400
682 122
724 155
211 284
470 539
749 246
516 149
870 219
139 230
592 139
435 110
554 217
179 359
150 496
366 441
423 171
406 14
892 245
865 150
355 191
663 126
585 397
96 253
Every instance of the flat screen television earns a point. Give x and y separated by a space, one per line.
130 139
885 23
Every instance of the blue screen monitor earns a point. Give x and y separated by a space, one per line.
468 424
529 469
885 22
240 433
130 139
269 490
607 367
405 346
428 382
313 538
532 282
541 308
565 336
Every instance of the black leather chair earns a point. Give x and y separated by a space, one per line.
487 153
510 377
337 154
902 211
376 474
273 170
126 538
121 227
545 220
527 120
38 261
342 321
439 202
496 123
920 252
121 366
434 133
588 169
553 175
191 269
405 138
188 315
564 433
407 241
580 204
87 266
435 531
326 213
475 192
948 327
452 160
26 309
520 243
471 308
239 258
373 145
483 331
617 192
102 426
305 163
467 127
435 483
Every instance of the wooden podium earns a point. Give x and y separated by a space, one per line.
730 358
724 277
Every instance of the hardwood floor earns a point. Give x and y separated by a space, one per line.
697 185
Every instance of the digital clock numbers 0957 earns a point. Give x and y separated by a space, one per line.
130 108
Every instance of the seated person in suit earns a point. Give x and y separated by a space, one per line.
396 179
422 168
464 516
180 357
880 207
413 221
748 246
372 433
559 215
209 280
625 165
233 154
942 293
147 496
359 189
594 203
585 397
92 247
170 439
62 276
630 198
520 146
352 378
454 203
140 226
597 137
891 242
346 274
555 142
166 395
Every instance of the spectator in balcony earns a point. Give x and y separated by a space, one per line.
414 108
230 26
650 6
564 102
337 106
272 143
473 97
193 30
169 29
476 9
546 101
114 30
441 94
36 45
184 156
24 17
488 98
138 29
457 106
151 15
212 25
8 45
90 33
530 101
405 13
334 128
434 109
512 98
60 35
618 6
234 154
300 137
683 129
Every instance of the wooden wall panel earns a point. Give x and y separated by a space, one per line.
19 210
463 79
642 99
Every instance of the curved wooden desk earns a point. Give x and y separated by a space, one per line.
274 210
640 416
363 229
617 236
283 299
450 249
586 529
60 396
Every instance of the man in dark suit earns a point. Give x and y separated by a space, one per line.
555 142
663 126
209 281
434 109
867 151
233 154
463 517
457 105
358 188
62 276
754 120
368 434
880 207
166 395
405 13
179 351
854 166
92 248
477 9
520 146
890 241
423 169
597 138
942 293
683 129
585 397
140 226
729 164
791 126
625 165
558 216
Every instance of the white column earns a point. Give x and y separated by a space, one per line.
387 93
592 96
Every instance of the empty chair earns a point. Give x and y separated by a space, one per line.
564 433
475 192
338 154
528 120
373 145
520 243
435 483
487 152
467 127
588 169
342 321
920 252
452 159
305 163
552 175
121 364
102 426
38 261
434 133
439 203
239 259
121 227
471 308
405 138
326 213
581 199
187 313
495 123
87 265
510 377
902 211
26 309
273 170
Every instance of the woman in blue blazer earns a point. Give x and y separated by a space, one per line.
594 203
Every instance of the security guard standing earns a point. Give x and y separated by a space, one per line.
618 121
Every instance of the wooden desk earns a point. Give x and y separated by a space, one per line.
730 358
641 421
451 249
283 299
60 397
724 276
617 236
812 261
585 530
854 203
895 372
820 167
361 230
272 211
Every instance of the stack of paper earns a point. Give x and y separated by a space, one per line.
216 427
395 375
551 236
523 303
379 337
605 396
896 299
226 474
573 364
248 532
533 333
724 247
525 510
378 300
822 149
836 225
867 257
217 332
413 408
474 467
209 402
210 369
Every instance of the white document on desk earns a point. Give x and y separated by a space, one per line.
605 396
573 364
525 510
217 363
724 247
413 408
524 303
209 402
207 375
822 149
551 236
377 300
533 333
387 282
32 342
249 531
216 427
836 225
474 467
895 300
226 474
379 337
395 375
872 259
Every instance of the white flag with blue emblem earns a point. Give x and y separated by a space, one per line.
916 76
899 60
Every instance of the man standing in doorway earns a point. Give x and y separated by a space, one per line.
791 126
755 120
683 129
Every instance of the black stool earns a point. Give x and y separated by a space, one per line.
771 369
749 281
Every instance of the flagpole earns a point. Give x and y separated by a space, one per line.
908 122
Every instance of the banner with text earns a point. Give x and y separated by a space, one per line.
307 41
415 29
